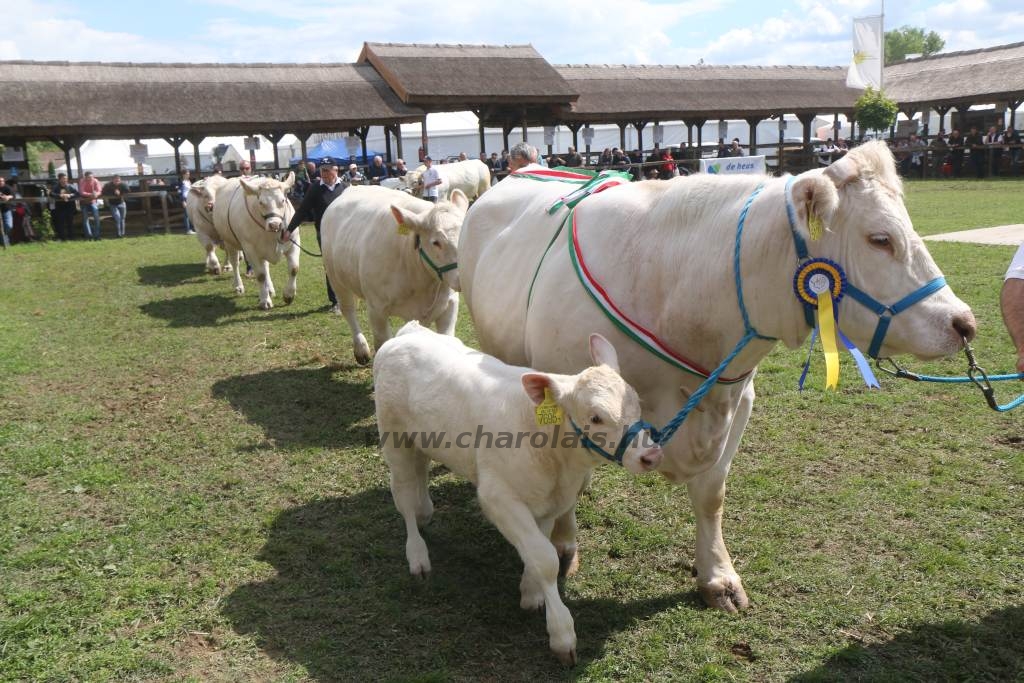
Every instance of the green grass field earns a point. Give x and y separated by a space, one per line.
190 491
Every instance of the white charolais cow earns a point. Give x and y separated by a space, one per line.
471 176
199 203
429 383
663 253
250 214
396 252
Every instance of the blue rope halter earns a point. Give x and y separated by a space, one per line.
620 449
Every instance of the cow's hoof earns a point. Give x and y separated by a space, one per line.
288 299
725 595
228 268
266 305
239 290
215 271
362 358
566 657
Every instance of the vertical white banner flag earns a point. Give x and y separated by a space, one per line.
866 67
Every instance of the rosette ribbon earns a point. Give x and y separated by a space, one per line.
821 283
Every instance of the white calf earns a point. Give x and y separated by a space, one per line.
430 383
471 176
396 252
199 206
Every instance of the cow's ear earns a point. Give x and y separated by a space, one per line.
603 353
813 197
250 185
401 218
288 182
459 199
843 171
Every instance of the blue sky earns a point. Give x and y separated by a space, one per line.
563 31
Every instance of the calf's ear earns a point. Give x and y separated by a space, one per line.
535 383
251 185
814 199
603 353
459 199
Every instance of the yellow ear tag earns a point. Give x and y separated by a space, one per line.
548 412
403 229
815 226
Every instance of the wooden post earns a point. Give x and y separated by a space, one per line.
302 146
398 141
575 129
195 140
622 137
387 144
362 133
752 122
423 138
639 125
274 137
78 159
175 142
167 218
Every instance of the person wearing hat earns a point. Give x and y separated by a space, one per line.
431 180
321 193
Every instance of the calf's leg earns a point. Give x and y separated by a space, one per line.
233 257
379 324
516 523
445 323
409 471
263 277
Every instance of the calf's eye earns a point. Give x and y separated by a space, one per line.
880 240
436 243
595 419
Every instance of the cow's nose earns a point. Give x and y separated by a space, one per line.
965 325
651 458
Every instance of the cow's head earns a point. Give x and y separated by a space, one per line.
600 404
414 181
435 232
273 208
205 194
859 201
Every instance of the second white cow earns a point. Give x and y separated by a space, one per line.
471 176
199 203
396 252
249 215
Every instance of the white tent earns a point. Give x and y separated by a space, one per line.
106 158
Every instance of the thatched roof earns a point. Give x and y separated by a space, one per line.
91 99
631 92
989 75
461 77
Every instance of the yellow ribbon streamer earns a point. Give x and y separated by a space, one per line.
827 325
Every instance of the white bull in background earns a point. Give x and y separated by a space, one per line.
396 252
199 203
663 252
249 215
471 176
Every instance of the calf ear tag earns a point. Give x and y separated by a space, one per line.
815 227
548 412
403 229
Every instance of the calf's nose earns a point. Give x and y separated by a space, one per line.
651 458
965 325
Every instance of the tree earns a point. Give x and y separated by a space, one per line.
910 40
875 111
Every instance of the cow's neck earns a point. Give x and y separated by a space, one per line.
695 308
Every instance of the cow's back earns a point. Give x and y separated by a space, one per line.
503 238
360 237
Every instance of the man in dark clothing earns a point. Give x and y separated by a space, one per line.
64 195
319 196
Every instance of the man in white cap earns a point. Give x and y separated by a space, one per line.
1012 301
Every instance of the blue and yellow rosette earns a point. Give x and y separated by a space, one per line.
821 283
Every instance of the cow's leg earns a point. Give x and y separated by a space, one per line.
270 283
719 584
445 322
514 520
262 271
379 324
563 536
212 263
347 303
227 261
292 259
233 257
409 471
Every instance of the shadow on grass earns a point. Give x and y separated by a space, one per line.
172 274
209 310
343 605
303 407
945 651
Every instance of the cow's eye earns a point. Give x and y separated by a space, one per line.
596 420
880 240
436 243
